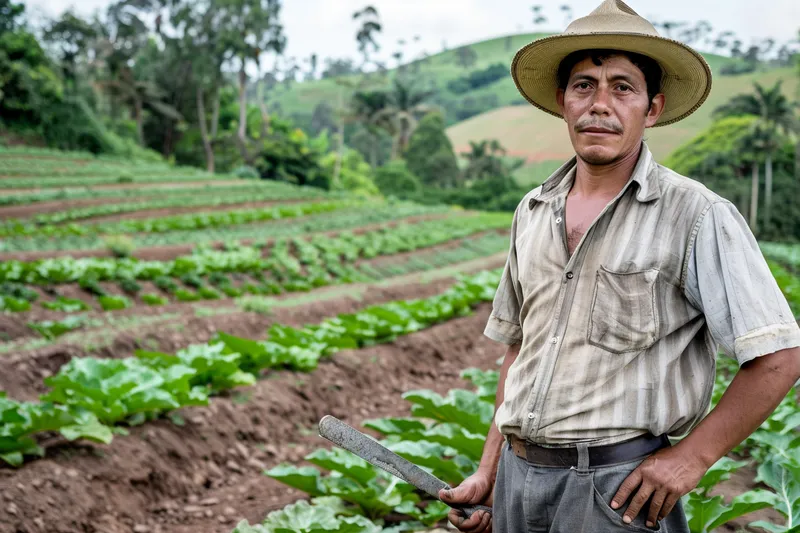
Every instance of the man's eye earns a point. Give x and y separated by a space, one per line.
582 85
624 88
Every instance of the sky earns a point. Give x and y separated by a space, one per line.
326 27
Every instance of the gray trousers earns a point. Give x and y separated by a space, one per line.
531 498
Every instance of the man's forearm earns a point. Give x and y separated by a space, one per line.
494 440
752 396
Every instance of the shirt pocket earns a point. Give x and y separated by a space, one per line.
624 316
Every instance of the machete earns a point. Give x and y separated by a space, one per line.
378 455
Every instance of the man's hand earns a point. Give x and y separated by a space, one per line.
666 475
476 489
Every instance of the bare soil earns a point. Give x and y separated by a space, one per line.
206 475
22 371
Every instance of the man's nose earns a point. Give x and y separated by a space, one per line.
601 104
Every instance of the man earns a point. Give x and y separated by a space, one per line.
622 279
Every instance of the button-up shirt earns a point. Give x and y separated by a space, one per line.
620 338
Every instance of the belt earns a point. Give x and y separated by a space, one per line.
621 452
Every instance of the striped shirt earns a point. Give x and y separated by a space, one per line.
620 338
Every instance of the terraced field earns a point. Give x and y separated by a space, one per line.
166 351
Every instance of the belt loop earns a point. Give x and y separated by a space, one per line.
583 457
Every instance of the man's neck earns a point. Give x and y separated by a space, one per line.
593 181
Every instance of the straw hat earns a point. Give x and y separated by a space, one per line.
686 79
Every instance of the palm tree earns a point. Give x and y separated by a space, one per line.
365 107
776 116
404 106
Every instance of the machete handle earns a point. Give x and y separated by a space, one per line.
469 510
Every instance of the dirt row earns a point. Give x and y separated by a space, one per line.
168 211
169 252
205 475
22 372
13 326
154 185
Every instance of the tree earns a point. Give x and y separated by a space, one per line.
466 57
484 160
250 28
404 105
775 117
72 35
365 37
11 15
567 10
430 153
538 17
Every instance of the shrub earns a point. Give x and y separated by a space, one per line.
119 245
125 177
430 153
396 179
246 172
18 290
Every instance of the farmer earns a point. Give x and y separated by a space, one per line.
622 280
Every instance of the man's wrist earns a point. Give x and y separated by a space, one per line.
700 454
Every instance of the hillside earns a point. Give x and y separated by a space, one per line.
501 113
542 139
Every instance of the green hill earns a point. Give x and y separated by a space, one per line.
497 111
543 141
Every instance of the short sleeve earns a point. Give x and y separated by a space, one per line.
503 325
729 281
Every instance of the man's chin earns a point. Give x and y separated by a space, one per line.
597 155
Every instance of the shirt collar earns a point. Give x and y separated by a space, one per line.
645 174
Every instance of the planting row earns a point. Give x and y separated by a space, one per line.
121 177
88 396
84 193
445 435
192 221
347 245
210 198
351 218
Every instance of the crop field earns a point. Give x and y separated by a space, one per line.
169 340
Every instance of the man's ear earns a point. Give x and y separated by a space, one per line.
560 100
656 108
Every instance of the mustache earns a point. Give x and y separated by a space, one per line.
593 123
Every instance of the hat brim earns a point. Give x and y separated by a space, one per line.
686 80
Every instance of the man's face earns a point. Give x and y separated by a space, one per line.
606 109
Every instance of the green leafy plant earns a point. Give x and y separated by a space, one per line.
154 299
119 245
113 303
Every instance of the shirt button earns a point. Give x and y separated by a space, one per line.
530 204
530 416
554 340
558 220
570 275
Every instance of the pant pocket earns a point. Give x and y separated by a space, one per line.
602 499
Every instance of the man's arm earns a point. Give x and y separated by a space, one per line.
494 440
755 391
